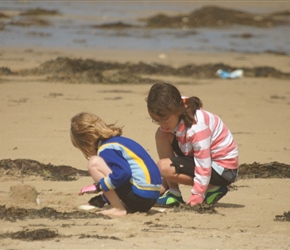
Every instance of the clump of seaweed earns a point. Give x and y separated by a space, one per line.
15 213
96 236
32 235
199 208
284 217
266 170
39 12
25 167
212 16
27 22
63 69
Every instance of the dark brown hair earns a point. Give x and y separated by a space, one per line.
164 99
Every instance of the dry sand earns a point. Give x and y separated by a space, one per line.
35 119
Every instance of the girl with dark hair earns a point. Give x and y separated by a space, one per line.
195 147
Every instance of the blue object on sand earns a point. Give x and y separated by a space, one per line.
230 75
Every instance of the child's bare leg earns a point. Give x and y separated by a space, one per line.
164 186
169 173
164 150
117 208
98 169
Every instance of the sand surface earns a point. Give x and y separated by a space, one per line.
35 120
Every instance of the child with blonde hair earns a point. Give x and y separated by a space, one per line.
122 170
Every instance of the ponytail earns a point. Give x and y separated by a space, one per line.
191 104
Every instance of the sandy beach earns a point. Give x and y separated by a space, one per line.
35 112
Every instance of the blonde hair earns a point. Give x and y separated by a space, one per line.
88 129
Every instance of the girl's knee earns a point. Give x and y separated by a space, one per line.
165 167
98 165
95 162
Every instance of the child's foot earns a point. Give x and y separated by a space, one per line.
214 195
169 200
113 212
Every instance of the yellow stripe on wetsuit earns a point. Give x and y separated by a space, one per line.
133 156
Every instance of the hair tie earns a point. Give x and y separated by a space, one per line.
184 102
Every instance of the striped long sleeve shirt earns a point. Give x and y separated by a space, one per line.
208 140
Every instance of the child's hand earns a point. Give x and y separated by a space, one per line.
88 189
195 199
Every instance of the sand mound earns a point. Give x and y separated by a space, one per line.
23 194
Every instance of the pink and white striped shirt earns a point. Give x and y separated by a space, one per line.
208 140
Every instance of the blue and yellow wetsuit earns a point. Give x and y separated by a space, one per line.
129 162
